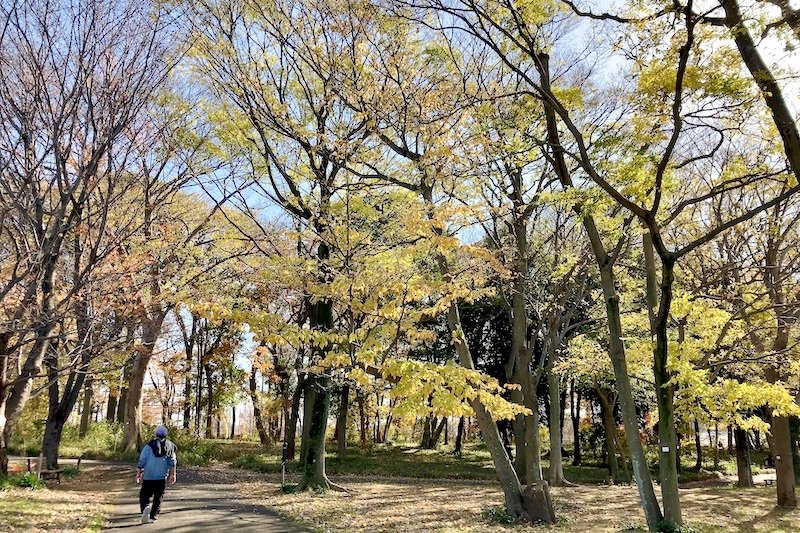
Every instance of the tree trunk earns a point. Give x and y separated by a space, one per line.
627 404
233 422
576 424
626 474
313 460
556 472
209 401
15 399
88 392
341 422
123 402
257 416
59 409
426 432
432 431
459 437
659 301
512 490
743 465
644 484
309 398
309 394
123 393
527 462
187 400
437 432
610 428
291 430
386 426
784 464
698 465
730 439
362 420
198 397
111 410
132 437
51 443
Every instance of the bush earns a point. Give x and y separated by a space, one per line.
28 480
70 472
191 450
26 439
102 441
497 515
666 527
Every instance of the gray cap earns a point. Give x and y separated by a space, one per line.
161 431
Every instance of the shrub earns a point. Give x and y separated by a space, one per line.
497 515
70 472
192 450
28 480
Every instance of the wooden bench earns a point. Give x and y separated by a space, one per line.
50 474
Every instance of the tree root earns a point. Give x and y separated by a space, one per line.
323 486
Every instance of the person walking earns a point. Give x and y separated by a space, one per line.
157 461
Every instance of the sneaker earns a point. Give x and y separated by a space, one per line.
146 515
153 518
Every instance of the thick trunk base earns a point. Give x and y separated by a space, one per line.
538 503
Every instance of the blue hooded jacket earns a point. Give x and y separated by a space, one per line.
157 458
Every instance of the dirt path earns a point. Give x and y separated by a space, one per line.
203 500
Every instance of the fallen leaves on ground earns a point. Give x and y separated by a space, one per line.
80 504
445 506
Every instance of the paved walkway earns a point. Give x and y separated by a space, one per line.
203 501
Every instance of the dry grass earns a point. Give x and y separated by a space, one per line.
414 505
80 504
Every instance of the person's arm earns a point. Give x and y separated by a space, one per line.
143 457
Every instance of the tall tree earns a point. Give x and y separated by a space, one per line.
67 105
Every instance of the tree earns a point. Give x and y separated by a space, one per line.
682 107
66 108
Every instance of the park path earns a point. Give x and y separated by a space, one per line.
203 500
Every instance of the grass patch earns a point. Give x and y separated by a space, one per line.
50 510
408 461
386 461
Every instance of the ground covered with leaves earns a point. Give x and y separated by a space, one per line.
381 503
456 506
79 504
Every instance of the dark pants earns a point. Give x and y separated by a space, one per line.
154 488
